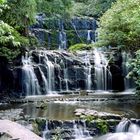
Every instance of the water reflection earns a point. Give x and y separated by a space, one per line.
53 111
65 110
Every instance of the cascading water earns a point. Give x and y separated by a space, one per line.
89 40
46 72
62 37
102 73
76 131
50 74
90 37
88 71
81 132
125 130
30 84
129 83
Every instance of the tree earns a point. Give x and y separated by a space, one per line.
93 8
10 39
120 25
20 14
54 8
134 65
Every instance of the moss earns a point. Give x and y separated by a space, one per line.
101 124
38 125
80 47
88 118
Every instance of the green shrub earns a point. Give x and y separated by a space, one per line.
102 125
134 65
80 47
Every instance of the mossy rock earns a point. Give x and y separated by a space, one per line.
83 93
38 125
80 47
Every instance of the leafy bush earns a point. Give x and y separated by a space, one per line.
10 41
119 26
80 47
93 8
102 125
134 64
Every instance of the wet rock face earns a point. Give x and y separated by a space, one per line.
10 77
57 33
117 71
43 70
74 129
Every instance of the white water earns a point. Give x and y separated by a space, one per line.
50 74
30 82
54 71
129 82
62 37
78 132
126 130
45 131
88 70
102 73
81 132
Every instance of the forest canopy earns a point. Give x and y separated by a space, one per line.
120 25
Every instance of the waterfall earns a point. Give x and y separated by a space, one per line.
50 74
129 82
74 26
88 71
103 75
127 126
80 132
66 78
123 126
62 37
44 80
46 72
46 131
30 84
76 131
89 36
125 130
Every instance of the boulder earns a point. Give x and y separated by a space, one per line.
17 131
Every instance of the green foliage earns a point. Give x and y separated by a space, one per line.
119 26
54 8
10 39
134 65
102 125
9 54
3 6
80 47
38 125
88 118
8 35
58 135
20 14
94 8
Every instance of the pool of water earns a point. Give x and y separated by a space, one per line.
65 110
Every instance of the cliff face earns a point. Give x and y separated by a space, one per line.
58 33
41 72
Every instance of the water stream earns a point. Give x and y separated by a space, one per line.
125 130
